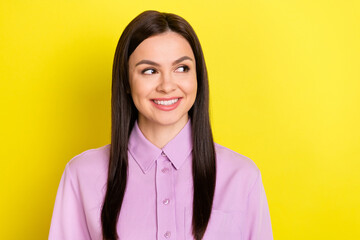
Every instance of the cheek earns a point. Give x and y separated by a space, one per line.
138 96
190 87
139 90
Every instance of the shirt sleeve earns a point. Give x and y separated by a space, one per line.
258 215
68 220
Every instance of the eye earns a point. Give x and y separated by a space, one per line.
148 71
182 69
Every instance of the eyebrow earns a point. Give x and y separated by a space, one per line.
156 64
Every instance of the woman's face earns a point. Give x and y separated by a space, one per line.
162 75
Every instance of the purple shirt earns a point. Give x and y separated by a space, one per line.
158 199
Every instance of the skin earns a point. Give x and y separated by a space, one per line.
162 67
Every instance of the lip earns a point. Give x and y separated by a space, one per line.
168 107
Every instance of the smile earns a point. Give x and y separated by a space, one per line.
166 102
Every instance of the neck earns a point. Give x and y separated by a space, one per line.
158 134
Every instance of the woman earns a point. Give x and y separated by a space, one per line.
162 177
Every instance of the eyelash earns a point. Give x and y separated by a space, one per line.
147 69
186 69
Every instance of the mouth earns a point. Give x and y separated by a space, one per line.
166 102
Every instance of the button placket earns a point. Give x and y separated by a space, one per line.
166 224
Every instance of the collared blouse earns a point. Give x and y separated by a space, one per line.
159 193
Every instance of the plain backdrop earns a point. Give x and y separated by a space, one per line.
284 85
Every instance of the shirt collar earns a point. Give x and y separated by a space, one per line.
145 153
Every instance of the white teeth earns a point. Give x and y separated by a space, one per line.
166 103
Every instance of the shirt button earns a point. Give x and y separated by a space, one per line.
163 154
166 201
167 234
165 170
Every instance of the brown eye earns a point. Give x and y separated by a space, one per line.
182 69
149 71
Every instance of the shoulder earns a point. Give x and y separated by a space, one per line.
233 159
90 161
232 164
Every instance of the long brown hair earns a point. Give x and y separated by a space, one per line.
124 115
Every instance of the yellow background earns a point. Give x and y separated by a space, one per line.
284 82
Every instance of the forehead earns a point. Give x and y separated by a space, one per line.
164 47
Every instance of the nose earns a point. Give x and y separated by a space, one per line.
166 83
